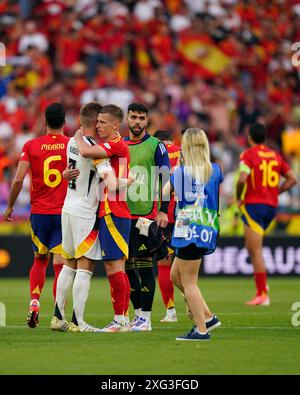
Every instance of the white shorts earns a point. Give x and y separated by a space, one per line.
80 237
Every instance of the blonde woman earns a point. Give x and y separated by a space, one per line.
196 185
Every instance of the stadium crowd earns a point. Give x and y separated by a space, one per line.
218 64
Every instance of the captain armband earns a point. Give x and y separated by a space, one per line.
244 168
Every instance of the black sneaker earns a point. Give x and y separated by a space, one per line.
194 336
213 323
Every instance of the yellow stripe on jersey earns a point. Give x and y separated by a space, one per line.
107 209
42 249
116 235
252 224
253 178
57 249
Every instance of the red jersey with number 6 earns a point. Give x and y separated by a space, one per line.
264 167
48 159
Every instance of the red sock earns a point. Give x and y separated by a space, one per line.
57 269
261 283
165 285
118 292
37 277
127 298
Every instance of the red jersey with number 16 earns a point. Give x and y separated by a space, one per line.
264 167
48 159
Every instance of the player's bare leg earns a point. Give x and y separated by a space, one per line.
176 279
254 245
189 280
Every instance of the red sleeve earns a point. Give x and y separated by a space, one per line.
113 148
246 158
108 147
25 154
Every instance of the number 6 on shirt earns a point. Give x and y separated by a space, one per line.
51 172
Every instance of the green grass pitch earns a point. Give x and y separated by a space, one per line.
252 340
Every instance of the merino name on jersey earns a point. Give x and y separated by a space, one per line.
51 147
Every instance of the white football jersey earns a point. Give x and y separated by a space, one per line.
82 199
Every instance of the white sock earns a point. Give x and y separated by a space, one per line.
137 312
126 320
119 319
35 301
209 319
146 315
81 288
200 333
171 311
64 283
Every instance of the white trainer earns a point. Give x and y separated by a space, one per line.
126 328
112 327
88 328
142 325
170 317
134 321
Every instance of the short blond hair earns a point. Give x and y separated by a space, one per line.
88 114
113 110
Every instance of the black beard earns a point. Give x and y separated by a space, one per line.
135 132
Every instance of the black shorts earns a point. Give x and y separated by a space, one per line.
189 253
156 244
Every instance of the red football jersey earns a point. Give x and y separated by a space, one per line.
174 155
48 159
115 202
265 167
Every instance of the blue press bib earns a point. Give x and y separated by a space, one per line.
197 218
